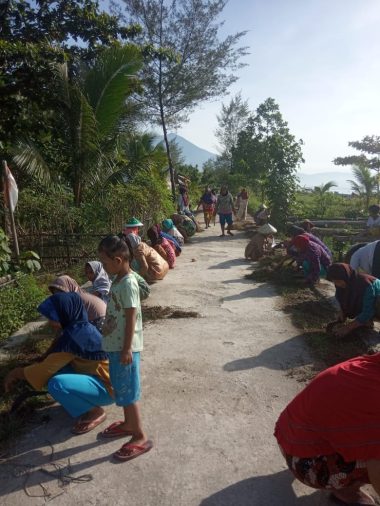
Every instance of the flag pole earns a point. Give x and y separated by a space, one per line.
8 199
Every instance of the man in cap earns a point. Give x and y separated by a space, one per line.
132 226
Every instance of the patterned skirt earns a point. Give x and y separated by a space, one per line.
328 471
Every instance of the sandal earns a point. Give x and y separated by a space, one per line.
229 232
114 430
84 426
130 451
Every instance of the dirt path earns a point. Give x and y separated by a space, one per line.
213 387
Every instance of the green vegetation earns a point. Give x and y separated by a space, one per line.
192 65
310 310
18 303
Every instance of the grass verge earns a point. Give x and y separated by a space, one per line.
310 309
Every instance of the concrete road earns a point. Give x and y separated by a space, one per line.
213 388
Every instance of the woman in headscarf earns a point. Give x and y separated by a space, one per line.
315 261
294 231
225 209
329 434
185 225
169 228
162 245
96 308
75 371
101 283
356 294
207 201
150 264
242 200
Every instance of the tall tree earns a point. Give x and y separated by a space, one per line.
35 35
267 151
364 184
369 147
90 108
232 119
192 63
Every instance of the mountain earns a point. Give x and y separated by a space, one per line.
340 178
192 154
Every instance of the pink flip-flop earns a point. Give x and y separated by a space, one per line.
114 430
130 451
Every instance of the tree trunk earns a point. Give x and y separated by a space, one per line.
170 163
162 114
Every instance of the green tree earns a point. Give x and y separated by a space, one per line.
369 147
266 151
201 65
35 35
365 183
90 109
322 197
232 119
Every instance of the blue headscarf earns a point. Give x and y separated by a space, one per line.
172 240
78 336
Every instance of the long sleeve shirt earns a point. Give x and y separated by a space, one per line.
316 256
369 302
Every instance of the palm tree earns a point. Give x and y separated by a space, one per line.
90 109
321 193
365 183
321 190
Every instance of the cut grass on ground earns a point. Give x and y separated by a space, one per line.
310 309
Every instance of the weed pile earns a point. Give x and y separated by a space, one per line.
310 309
12 424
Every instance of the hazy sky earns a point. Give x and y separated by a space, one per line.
319 59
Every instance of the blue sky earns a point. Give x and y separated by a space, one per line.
319 59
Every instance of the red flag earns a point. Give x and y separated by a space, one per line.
10 189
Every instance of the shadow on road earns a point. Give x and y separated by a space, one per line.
235 262
272 490
281 356
39 468
259 291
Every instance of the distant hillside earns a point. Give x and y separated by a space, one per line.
190 152
340 178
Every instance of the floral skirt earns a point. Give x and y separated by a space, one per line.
327 471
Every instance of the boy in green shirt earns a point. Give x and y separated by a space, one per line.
123 341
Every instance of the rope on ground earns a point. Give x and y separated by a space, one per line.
61 471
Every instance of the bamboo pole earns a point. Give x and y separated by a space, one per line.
11 215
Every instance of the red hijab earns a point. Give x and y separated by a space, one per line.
301 242
350 298
337 412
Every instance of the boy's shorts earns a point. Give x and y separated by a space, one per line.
225 218
125 379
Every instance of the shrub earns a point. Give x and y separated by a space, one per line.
18 304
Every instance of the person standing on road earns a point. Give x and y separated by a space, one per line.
123 341
329 434
243 197
225 208
207 201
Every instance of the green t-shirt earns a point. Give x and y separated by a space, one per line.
124 294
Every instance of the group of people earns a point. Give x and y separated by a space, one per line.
329 433
94 358
223 204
